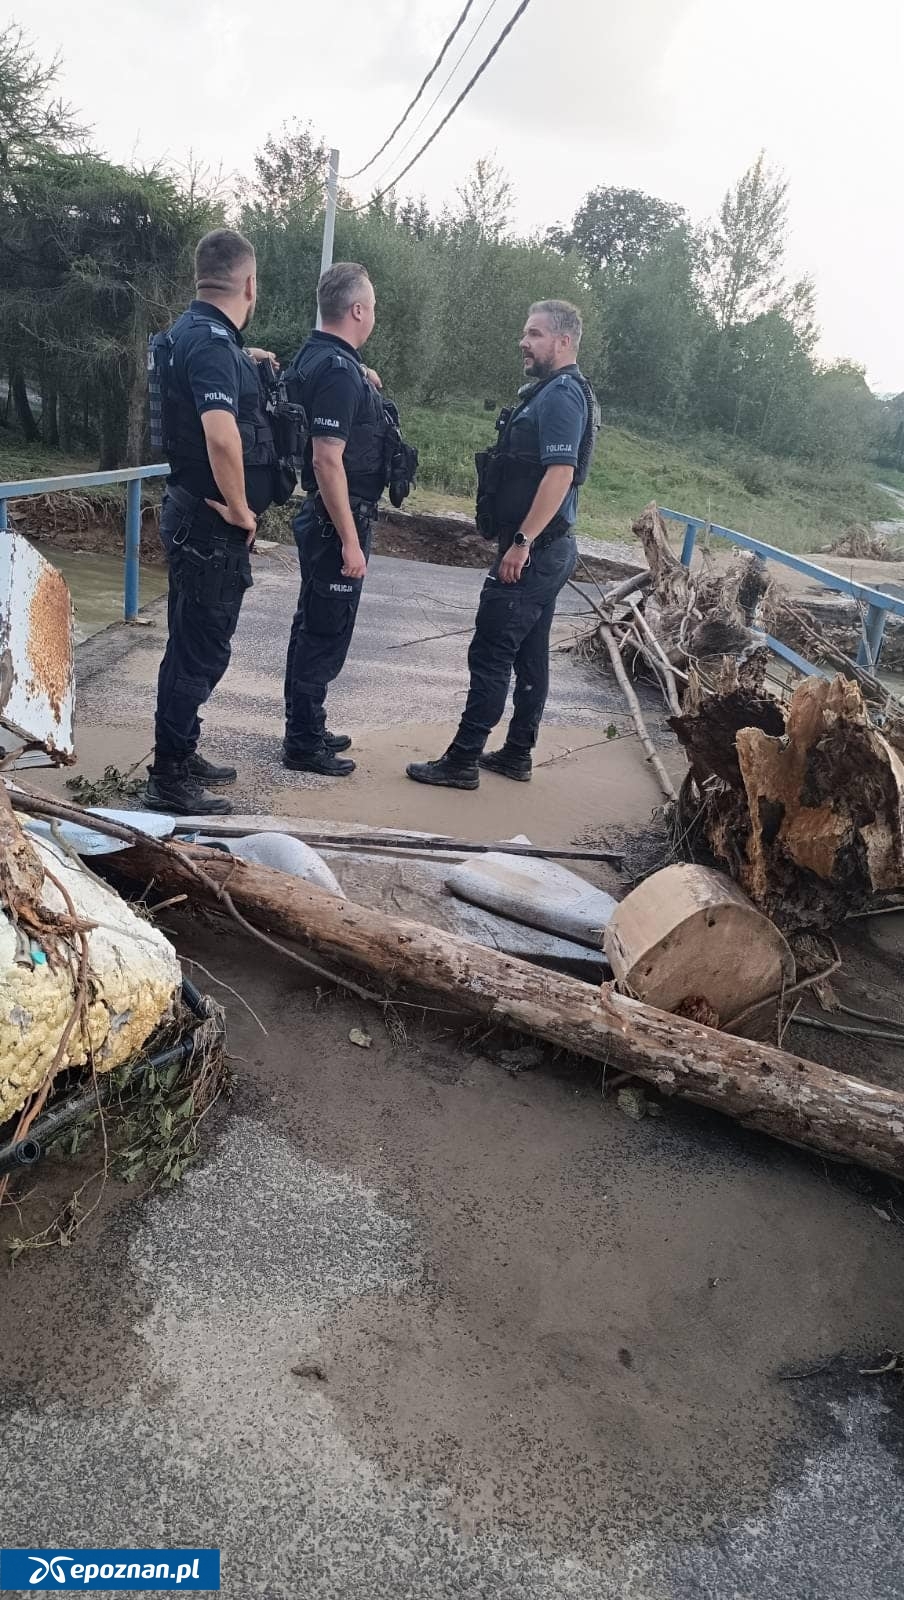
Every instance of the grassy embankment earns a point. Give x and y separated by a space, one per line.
787 503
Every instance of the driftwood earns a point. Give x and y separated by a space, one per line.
604 632
762 1087
805 805
410 844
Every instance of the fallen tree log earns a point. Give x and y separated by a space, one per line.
762 1087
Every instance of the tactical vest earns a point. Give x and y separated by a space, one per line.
508 479
176 430
375 455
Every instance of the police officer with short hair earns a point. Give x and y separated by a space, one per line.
208 407
527 500
345 470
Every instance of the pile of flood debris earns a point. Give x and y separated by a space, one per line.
792 812
794 786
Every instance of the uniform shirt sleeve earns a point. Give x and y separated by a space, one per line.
334 395
561 420
212 371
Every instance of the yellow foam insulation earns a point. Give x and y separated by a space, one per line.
134 976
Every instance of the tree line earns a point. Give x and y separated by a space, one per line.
688 327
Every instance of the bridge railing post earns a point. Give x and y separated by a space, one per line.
690 539
870 646
133 549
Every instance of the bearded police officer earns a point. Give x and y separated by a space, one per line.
208 413
527 500
355 450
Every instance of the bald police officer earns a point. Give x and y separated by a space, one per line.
208 413
527 500
346 468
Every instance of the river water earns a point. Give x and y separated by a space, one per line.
96 585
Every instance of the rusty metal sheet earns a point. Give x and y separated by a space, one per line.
37 661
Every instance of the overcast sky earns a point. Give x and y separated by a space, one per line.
672 96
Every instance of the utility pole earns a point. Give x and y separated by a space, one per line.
329 221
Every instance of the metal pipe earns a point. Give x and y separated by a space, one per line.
18 487
133 549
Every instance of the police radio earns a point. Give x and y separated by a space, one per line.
288 417
289 425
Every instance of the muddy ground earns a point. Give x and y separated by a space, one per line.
557 1346
563 1353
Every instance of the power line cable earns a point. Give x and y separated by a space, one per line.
347 177
513 19
439 93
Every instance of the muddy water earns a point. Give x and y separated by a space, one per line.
96 585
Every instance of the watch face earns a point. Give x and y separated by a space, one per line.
519 539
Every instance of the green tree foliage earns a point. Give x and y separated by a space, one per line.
891 432
686 328
616 229
452 293
290 171
745 247
31 117
843 417
485 200
653 325
94 257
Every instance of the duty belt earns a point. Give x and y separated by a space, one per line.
368 508
550 535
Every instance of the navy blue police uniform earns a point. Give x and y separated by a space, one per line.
340 403
514 619
208 558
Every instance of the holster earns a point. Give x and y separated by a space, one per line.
210 557
402 471
487 464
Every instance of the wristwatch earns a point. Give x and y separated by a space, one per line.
520 539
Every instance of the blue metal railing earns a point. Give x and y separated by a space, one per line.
133 477
878 603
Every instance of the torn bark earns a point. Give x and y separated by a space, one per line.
671 580
762 1087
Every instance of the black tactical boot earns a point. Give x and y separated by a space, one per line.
451 771
171 787
209 772
509 762
337 742
323 761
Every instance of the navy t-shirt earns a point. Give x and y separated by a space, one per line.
335 396
550 429
340 402
210 363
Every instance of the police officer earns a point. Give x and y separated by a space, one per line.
345 471
208 403
527 499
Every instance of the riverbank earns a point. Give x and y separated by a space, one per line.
789 503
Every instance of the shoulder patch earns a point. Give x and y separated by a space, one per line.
218 332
